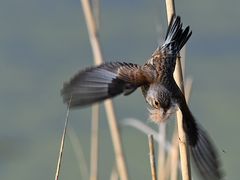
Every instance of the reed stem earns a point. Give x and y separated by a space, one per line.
62 143
94 143
115 134
78 150
183 147
161 151
152 157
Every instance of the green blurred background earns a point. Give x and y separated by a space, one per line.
43 43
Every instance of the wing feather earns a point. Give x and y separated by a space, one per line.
96 84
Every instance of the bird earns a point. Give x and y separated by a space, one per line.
162 94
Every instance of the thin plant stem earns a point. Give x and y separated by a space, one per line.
183 61
77 148
94 143
95 107
161 152
174 151
152 157
116 139
161 128
115 134
96 12
174 157
188 88
183 146
114 174
62 142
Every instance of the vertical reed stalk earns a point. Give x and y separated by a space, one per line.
94 143
185 163
77 148
62 143
162 128
152 157
95 111
188 88
174 156
114 174
174 151
116 139
96 12
161 152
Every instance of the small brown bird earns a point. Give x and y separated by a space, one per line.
159 88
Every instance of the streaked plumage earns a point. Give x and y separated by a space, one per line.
159 88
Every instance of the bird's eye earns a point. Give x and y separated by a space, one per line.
156 103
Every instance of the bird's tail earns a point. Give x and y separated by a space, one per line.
201 147
176 36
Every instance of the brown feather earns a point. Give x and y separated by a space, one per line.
137 75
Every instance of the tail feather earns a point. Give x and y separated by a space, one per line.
176 36
202 149
206 158
190 126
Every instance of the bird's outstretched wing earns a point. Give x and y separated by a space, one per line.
105 81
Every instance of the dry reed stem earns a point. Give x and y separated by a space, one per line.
174 151
95 111
114 174
161 128
96 12
188 88
185 163
161 152
183 61
152 157
174 157
116 139
77 148
92 31
171 165
112 121
62 143
94 143
172 160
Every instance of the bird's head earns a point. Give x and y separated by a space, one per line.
161 105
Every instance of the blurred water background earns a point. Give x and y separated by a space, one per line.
43 43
